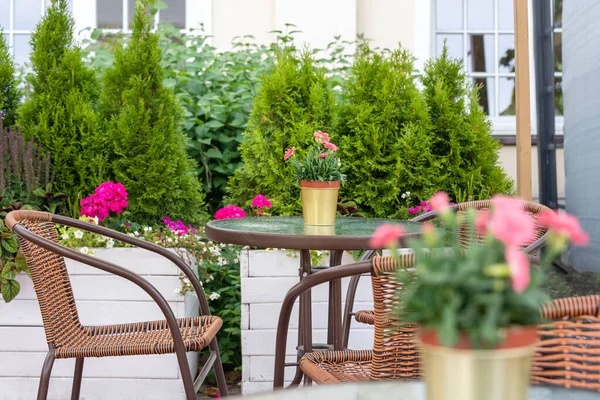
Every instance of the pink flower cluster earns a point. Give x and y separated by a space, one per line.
423 207
230 211
178 227
108 197
261 201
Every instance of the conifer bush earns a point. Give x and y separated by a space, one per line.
385 135
145 129
294 101
9 92
462 134
59 112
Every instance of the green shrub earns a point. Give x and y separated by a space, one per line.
385 135
294 101
9 92
59 111
462 140
148 147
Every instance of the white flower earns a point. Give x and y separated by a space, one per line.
101 238
169 240
84 250
186 281
408 193
95 220
214 296
403 195
210 278
222 245
136 233
236 260
64 236
110 243
78 234
147 229
204 249
177 292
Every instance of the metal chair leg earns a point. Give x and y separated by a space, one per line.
45 376
77 379
218 366
186 375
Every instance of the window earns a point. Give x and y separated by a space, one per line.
481 33
118 14
18 19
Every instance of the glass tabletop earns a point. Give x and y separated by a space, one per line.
349 233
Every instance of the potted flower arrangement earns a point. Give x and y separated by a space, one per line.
477 307
319 172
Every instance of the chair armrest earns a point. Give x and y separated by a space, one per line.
306 284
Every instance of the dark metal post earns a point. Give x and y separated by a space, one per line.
544 81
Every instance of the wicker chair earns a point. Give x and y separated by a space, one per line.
68 338
367 316
566 354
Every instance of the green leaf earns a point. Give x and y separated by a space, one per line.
10 290
213 153
215 124
10 244
39 192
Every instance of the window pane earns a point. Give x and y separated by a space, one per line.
506 53
487 90
506 98
4 14
109 14
449 14
175 14
480 15
21 49
454 43
558 13
558 52
558 96
480 53
130 11
506 16
27 14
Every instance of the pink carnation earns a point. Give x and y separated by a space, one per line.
566 225
230 211
330 146
510 223
518 264
288 153
386 236
260 201
481 221
322 155
439 201
321 137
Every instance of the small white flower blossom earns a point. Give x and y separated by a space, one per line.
110 244
136 233
214 296
177 292
186 281
204 249
147 229
222 245
403 195
95 220
64 236
169 240
84 250
236 260
210 278
101 238
78 234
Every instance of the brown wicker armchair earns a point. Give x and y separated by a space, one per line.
68 338
566 353
367 316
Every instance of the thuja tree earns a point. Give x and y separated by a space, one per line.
59 112
294 101
462 140
9 92
145 129
385 135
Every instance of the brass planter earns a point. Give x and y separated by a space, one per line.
319 202
462 373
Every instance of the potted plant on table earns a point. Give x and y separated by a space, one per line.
319 172
477 307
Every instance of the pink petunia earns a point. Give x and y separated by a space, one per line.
439 201
261 201
321 137
386 236
519 268
510 223
322 155
330 146
289 153
566 225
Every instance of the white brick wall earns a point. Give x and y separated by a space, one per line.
266 278
101 299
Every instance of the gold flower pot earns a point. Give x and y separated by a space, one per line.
463 373
319 202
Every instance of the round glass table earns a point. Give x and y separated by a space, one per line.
402 390
349 233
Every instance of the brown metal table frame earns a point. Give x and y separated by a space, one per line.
336 245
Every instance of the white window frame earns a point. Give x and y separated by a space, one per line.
10 29
425 43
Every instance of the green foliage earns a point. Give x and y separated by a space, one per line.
294 101
148 148
311 166
59 112
462 141
9 92
385 134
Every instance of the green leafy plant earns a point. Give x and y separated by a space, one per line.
12 262
319 163
59 111
294 100
10 94
462 141
148 147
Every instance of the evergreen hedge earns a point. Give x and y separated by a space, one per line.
462 140
385 135
148 146
59 111
294 101
9 92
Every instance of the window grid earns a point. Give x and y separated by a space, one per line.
11 32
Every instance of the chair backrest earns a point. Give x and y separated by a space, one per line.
50 279
395 351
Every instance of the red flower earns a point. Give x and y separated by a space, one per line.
386 236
